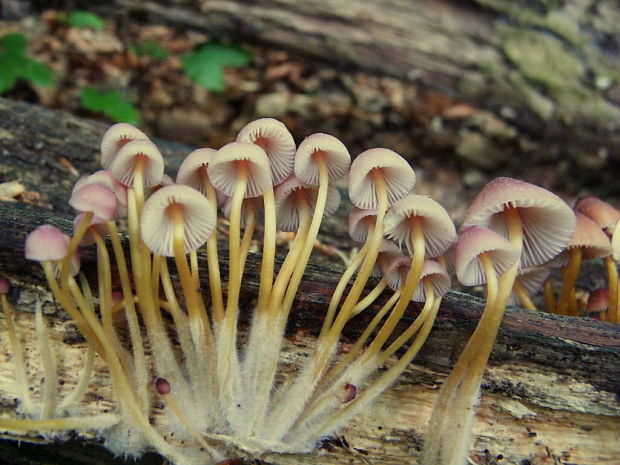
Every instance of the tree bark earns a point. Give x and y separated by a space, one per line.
549 394
549 70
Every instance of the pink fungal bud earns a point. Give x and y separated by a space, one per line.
5 286
95 198
350 391
46 243
163 386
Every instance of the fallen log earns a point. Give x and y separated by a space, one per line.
549 71
549 394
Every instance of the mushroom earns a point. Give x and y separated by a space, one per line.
194 172
527 283
588 242
115 138
608 218
538 224
275 139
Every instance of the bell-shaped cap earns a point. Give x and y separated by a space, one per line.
292 191
106 178
124 164
475 241
437 276
548 222
589 237
223 169
395 270
602 213
156 221
598 301
116 137
193 170
532 280
95 198
387 251
272 136
398 176
334 153
359 221
46 243
437 226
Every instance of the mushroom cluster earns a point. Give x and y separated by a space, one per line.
169 334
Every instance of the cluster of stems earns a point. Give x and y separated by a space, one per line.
168 331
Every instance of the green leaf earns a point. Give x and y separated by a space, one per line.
205 64
111 104
14 64
35 72
7 78
14 43
152 49
79 18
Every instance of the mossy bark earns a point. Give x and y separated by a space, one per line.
549 395
549 69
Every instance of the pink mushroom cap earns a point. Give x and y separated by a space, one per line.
334 153
398 175
291 191
275 139
548 222
223 169
156 223
473 242
95 198
193 170
124 164
437 226
115 138
46 243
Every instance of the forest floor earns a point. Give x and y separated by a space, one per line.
444 139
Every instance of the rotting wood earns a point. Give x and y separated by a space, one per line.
550 70
550 394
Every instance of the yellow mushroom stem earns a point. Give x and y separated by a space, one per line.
63 297
65 264
198 319
613 311
359 344
369 299
308 246
186 422
448 435
549 295
135 334
386 379
523 296
105 420
570 273
49 367
269 250
409 287
292 257
17 354
248 234
215 280
342 284
234 240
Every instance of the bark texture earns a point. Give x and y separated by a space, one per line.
550 394
549 69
